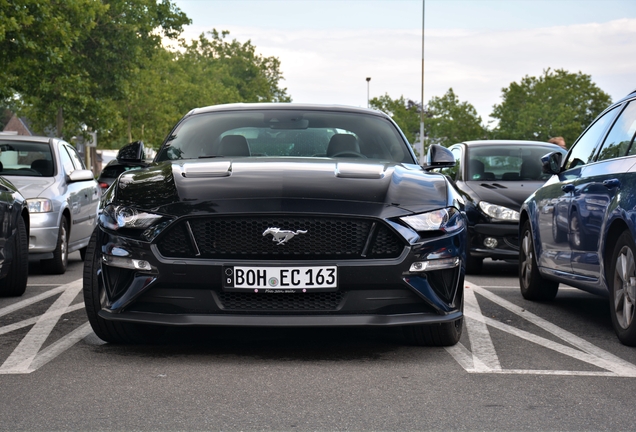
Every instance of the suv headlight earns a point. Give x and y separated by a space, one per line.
499 212
447 220
40 205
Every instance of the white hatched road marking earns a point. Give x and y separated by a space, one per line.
28 355
480 360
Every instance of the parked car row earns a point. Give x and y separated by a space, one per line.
302 215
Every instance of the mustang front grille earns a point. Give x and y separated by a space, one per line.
234 301
312 238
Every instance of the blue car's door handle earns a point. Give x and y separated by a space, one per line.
567 188
612 183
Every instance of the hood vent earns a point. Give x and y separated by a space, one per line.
206 169
362 171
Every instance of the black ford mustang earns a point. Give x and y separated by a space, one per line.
280 215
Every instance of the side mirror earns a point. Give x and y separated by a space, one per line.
439 157
80 175
133 152
551 163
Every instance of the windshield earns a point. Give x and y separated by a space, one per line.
23 158
507 162
286 133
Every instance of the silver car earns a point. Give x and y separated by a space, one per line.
62 196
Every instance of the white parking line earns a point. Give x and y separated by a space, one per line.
613 365
24 354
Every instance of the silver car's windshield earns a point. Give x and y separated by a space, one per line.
286 133
23 158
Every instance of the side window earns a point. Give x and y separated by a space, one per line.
67 162
77 161
584 149
621 136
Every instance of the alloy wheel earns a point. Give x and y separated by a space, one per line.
526 269
625 287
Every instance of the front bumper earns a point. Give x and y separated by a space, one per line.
506 237
371 292
43 232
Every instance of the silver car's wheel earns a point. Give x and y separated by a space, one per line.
57 264
622 281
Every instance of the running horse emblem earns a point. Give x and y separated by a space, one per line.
282 236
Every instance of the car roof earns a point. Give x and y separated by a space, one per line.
29 138
506 142
286 106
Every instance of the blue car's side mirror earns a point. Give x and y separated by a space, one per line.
551 162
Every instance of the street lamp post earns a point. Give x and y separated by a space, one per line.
368 79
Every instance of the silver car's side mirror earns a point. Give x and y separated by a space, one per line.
80 175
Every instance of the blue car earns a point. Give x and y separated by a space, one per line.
579 227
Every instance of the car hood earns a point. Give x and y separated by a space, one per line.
31 187
271 184
507 194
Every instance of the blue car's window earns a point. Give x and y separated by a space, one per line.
583 150
286 133
621 136
24 158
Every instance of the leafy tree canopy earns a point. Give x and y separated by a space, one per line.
66 59
208 71
404 112
558 103
450 121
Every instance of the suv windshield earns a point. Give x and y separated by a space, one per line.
286 133
23 158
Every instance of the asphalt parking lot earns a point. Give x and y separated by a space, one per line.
519 365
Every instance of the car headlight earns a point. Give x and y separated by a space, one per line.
124 217
40 205
447 220
499 212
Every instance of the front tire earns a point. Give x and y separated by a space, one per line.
95 298
15 282
533 285
622 288
59 262
445 334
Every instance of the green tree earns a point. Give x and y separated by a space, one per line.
558 103
450 121
74 58
405 112
208 71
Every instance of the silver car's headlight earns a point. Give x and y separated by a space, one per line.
447 220
40 205
497 212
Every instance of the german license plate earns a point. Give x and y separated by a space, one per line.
280 279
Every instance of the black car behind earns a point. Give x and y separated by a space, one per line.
495 177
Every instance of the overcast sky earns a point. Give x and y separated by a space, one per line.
327 48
